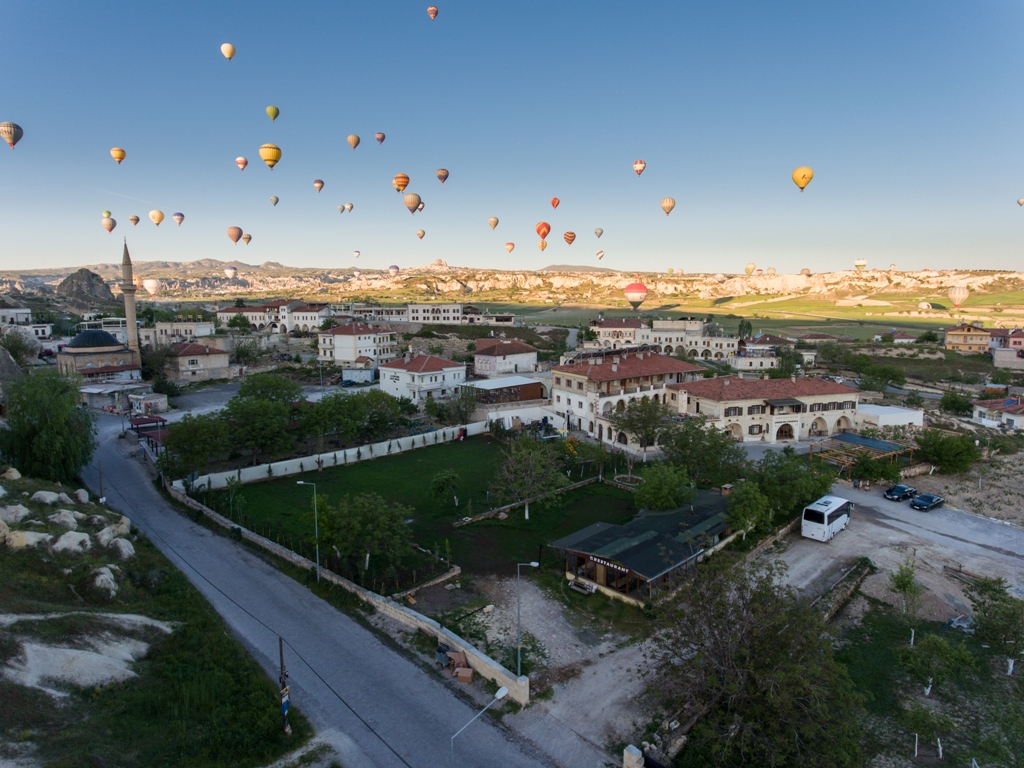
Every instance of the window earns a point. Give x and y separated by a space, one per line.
579 385
558 398
735 411
193 361
754 429
815 407
580 402
558 381
812 516
755 409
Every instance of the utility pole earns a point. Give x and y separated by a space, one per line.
285 691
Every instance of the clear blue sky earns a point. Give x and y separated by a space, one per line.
910 113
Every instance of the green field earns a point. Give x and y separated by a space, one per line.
277 507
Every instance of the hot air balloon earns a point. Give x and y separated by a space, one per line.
554 202
235 234
569 237
356 272
639 166
11 133
318 184
720 277
152 286
106 213
493 221
241 162
178 217
108 223
353 141
771 270
420 206
924 305
412 202
393 269
271 154
379 137
230 272
509 247
749 269
420 233
442 175
543 229
273 200
401 181
667 205
635 294
133 219
356 254
246 238
860 264
118 154
341 209
805 272
432 12
1020 201
348 207
892 267
758 272
802 176
228 50
156 217
542 244
600 255
957 294
598 231
273 112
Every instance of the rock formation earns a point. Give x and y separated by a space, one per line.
83 287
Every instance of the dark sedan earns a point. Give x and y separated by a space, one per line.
900 493
927 501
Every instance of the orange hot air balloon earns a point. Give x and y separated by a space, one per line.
509 247
639 166
542 244
241 162
235 233
246 238
543 229
133 219
442 175
432 12
554 202
379 137
667 205
353 141
569 237
400 182
802 176
118 154
318 184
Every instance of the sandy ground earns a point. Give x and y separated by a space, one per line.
999 493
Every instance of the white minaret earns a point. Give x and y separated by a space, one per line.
128 289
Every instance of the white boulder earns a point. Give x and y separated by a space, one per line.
107 535
11 474
64 519
14 514
123 526
82 495
73 543
63 498
104 579
22 539
4 530
98 521
46 497
3 492
124 548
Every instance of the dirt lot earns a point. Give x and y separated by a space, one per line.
993 488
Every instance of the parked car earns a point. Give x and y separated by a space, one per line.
900 493
927 501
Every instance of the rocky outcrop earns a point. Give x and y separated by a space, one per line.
23 539
14 514
125 549
64 519
46 497
73 543
83 287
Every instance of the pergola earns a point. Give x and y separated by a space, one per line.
844 450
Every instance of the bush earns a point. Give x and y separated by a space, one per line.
952 454
166 387
956 403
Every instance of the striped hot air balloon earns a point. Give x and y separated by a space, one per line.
635 294
241 162
667 205
270 154
133 219
542 244
639 166
569 237
11 133
442 175
318 184
246 238
400 182
554 202
118 154
432 12
353 141
543 229
178 218
235 234
957 294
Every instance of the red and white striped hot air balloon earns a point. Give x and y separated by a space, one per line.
635 294
639 166
957 294
241 162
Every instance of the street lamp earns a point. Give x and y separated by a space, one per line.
316 526
498 696
519 623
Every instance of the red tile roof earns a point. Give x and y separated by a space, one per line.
1011 405
726 388
188 349
630 366
309 308
967 328
423 364
237 310
769 338
355 329
818 336
495 347
901 335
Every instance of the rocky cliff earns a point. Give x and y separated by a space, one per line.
83 288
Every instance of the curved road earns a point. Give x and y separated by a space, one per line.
343 677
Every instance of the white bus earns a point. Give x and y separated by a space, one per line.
825 518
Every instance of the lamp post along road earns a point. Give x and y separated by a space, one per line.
519 621
498 696
316 526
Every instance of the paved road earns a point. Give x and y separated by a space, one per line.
414 713
211 399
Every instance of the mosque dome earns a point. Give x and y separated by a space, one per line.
94 339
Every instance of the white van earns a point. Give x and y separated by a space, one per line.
825 518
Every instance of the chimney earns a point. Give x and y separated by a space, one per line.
725 381
615 367
727 489
615 359
793 378
764 375
599 361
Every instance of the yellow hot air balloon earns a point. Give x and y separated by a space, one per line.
156 217
667 205
270 154
542 244
400 182
118 154
493 221
107 213
749 269
353 141
412 202
228 50
273 112
802 176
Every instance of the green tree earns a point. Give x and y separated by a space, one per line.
665 486
461 405
239 302
192 443
874 470
748 508
741 647
903 583
238 322
913 400
999 615
155 361
247 351
745 329
642 419
269 386
709 456
529 470
595 453
18 347
788 362
258 425
48 436
379 413
933 660
407 407
444 484
328 323
790 482
956 403
928 337
952 454
365 526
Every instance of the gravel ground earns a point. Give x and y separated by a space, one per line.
999 494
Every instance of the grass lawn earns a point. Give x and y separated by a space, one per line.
279 507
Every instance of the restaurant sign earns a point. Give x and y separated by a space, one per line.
606 564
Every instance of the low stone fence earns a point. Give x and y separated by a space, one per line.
777 536
836 596
508 507
916 469
518 687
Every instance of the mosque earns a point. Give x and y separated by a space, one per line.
96 355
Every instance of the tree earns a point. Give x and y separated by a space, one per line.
269 386
788 360
239 322
48 436
443 484
903 582
708 454
192 443
642 419
665 486
999 615
378 412
328 323
743 649
247 351
363 526
258 425
407 407
956 403
593 452
529 470
913 400
874 470
748 508
18 347
239 302
745 329
952 454
154 361
460 407
790 482
928 337
933 660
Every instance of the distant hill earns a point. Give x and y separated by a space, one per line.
574 268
